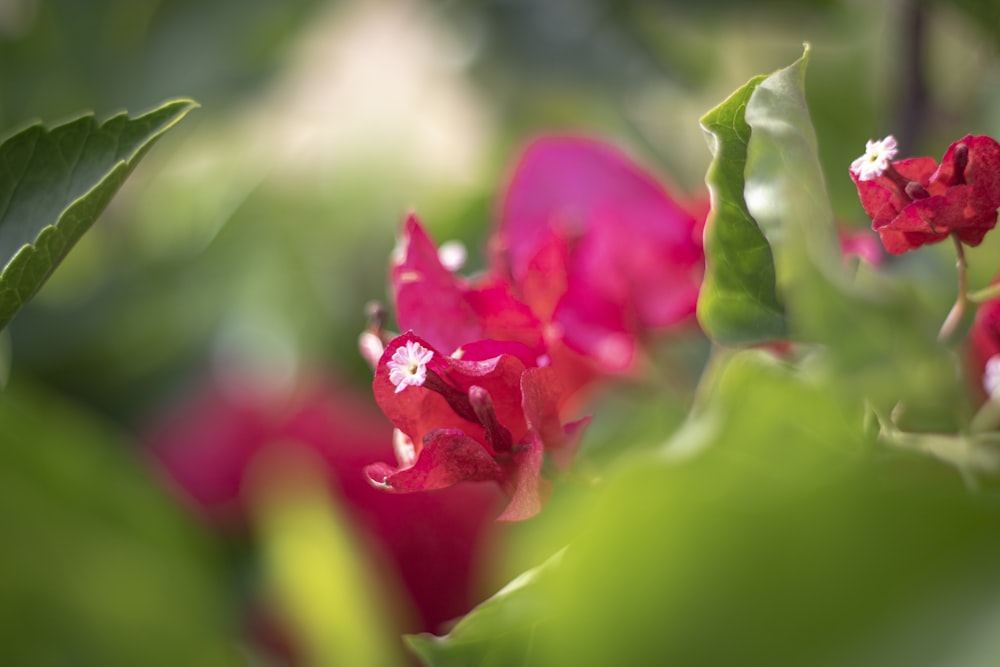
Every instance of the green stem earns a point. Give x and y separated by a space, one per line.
985 294
957 313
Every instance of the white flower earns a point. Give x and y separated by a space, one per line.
408 366
876 159
991 377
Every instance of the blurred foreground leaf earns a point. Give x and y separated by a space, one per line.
316 567
498 632
97 567
772 532
738 304
54 183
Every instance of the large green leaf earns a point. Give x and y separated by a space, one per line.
98 566
54 183
499 632
738 303
877 337
772 531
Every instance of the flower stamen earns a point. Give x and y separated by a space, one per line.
408 366
876 160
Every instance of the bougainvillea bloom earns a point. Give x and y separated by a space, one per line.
916 201
597 248
487 413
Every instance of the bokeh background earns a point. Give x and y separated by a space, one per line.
186 414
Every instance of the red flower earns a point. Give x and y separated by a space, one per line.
597 248
915 201
486 413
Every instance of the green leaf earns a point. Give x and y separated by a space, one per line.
772 531
876 337
497 633
738 303
98 566
54 183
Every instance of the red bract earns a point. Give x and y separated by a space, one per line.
487 413
916 201
597 248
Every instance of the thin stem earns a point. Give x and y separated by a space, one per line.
985 294
957 313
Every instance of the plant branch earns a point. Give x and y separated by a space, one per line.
957 314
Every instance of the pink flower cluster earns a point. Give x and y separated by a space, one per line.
589 257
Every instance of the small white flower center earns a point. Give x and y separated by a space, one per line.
408 366
991 377
878 155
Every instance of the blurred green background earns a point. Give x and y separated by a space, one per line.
248 241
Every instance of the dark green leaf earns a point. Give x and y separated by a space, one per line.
54 183
738 303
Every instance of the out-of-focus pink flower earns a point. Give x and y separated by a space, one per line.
430 542
487 412
597 248
916 201
862 244
982 352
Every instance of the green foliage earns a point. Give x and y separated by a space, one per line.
98 567
514 613
773 532
876 336
738 303
54 183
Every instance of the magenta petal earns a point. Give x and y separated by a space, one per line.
525 485
447 457
429 298
540 391
502 316
590 238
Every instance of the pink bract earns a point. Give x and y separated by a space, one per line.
597 248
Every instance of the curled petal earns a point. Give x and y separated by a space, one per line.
446 458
